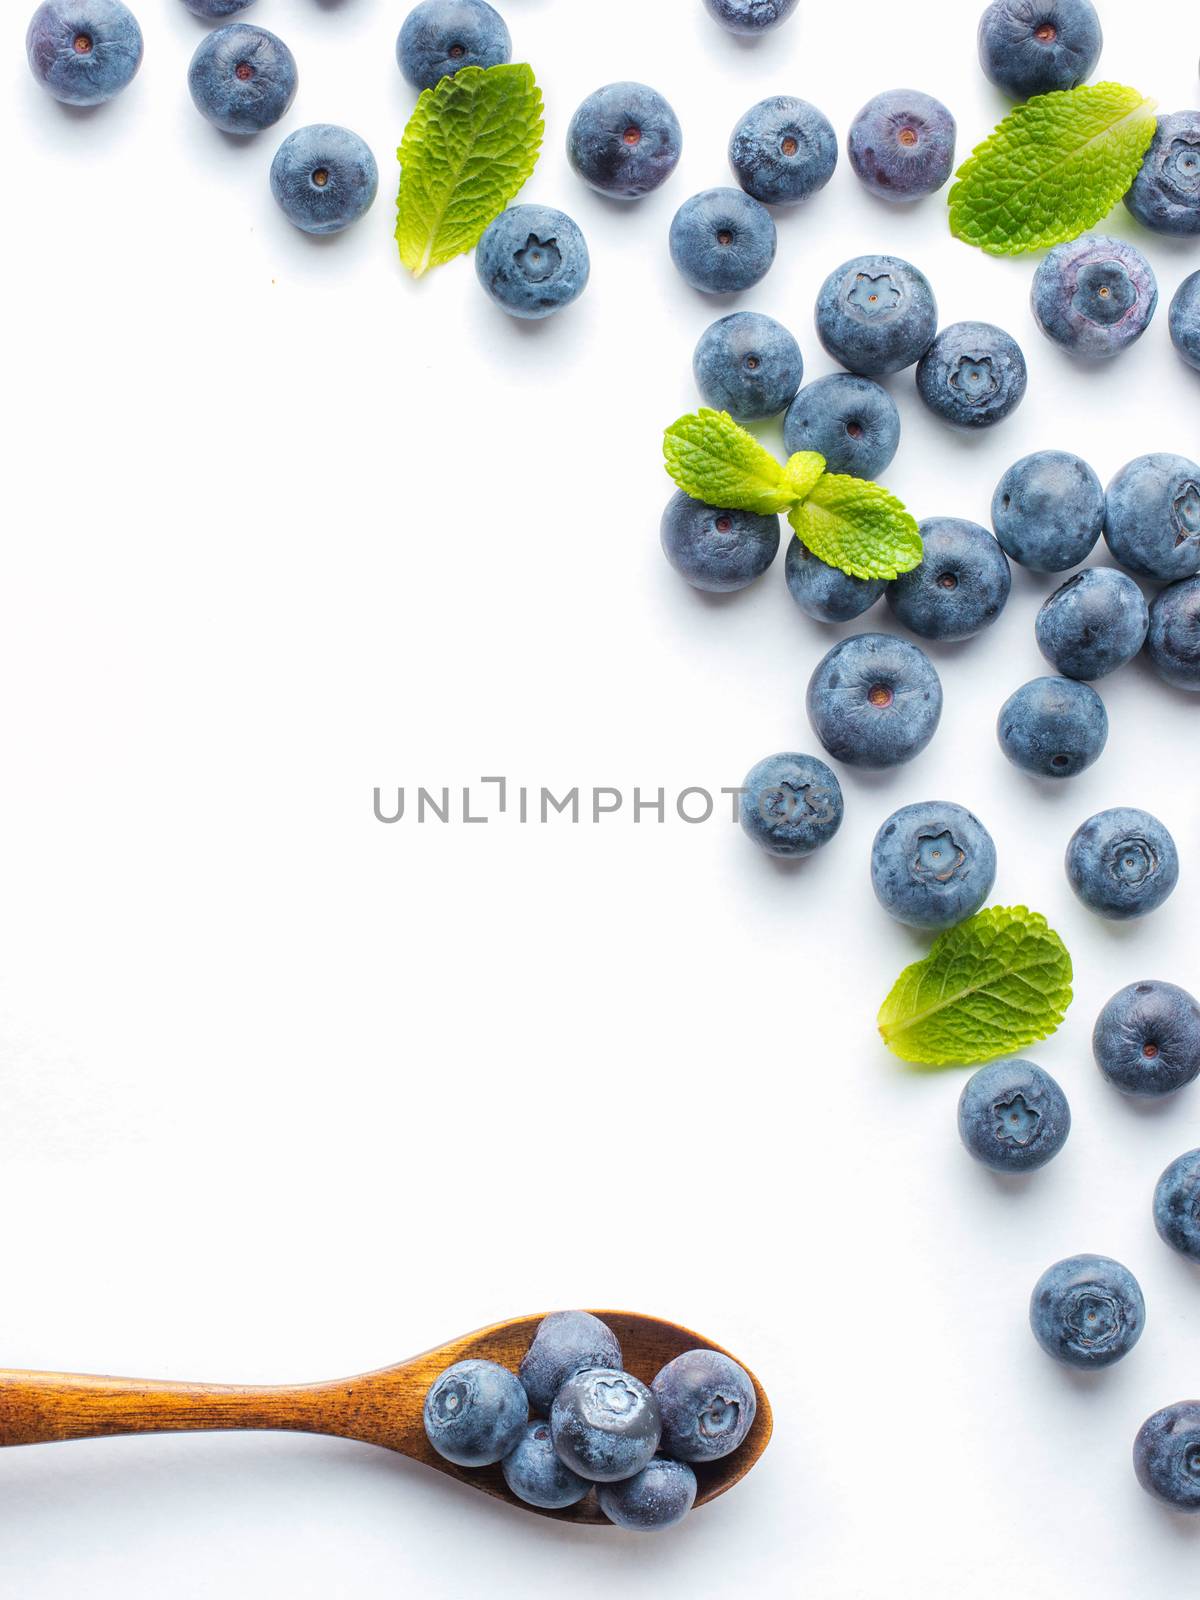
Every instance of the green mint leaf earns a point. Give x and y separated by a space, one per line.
989 987
471 143
803 472
1053 169
711 458
857 527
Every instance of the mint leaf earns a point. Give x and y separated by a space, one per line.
711 458
803 472
1052 169
987 988
857 527
471 143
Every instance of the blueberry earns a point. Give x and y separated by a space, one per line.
1185 320
242 78
1177 1205
84 51
535 1474
324 178
1094 624
714 549
605 1424
851 421
1094 296
707 1404
961 585
783 151
658 1497
1173 644
876 314
440 37
750 17
901 144
749 365
1152 517
1147 1039
1053 727
1166 1455
932 865
1122 863
475 1413
216 8
792 805
973 375
875 700
1029 47
533 261
1166 192
825 593
624 140
565 1343
1087 1312
1048 511
723 241
1013 1116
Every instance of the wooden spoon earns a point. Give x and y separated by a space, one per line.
381 1408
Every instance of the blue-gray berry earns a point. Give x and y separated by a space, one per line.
1048 511
1029 47
565 1343
1087 1312
1094 296
723 241
875 700
750 17
901 145
783 151
1166 1455
707 1403
242 78
324 178
1152 517
1147 1039
1165 195
851 421
1173 643
876 314
1123 863
1185 320
959 588
605 1424
1013 1116
83 52
657 1497
624 140
1177 1205
715 549
749 365
534 1473
1053 727
440 37
973 375
475 1413
533 261
826 593
933 864
791 805
1093 624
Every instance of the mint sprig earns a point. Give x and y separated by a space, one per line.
1053 169
995 984
471 143
848 523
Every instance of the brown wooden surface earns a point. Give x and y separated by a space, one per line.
381 1408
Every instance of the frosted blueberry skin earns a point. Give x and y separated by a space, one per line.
722 241
216 8
1029 47
750 17
876 314
1013 1117
1123 863
825 593
1087 1312
783 151
324 178
605 1424
901 145
658 1497
1094 296
625 140
533 261
875 701
749 365
1166 1455
792 805
717 550
1152 517
242 78
1185 320
933 865
475 1413
1094 624
849 420
440 37
1053 727
1173 643
707 1403
535 1474
1147 1039
1177 1205
565 1343
973 375
961 585
1165 196
1048 511
84 52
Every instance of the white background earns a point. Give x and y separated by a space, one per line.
287 1094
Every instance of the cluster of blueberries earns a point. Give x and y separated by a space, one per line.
595 1426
